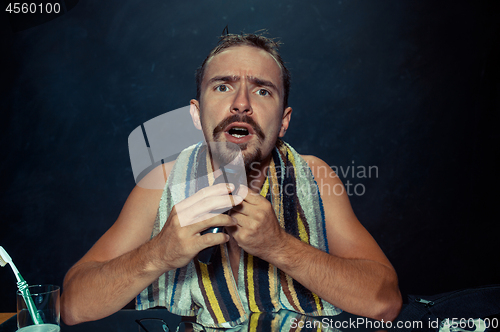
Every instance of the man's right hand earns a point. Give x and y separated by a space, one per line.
180 236
125 260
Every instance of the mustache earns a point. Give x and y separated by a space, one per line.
239 118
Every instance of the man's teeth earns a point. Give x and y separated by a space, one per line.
238 132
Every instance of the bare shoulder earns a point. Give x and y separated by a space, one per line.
319 167
335 200
326 178
135 222
157 177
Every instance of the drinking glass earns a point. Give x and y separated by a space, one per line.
46 299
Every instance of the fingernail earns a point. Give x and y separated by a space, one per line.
231 186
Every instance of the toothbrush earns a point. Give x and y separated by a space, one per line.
22 286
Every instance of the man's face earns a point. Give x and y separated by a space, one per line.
241 103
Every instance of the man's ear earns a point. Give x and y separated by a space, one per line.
285 121
194 110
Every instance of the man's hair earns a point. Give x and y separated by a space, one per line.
256 40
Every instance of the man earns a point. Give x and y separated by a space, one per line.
242 99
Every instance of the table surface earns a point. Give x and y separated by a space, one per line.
124 321
5 316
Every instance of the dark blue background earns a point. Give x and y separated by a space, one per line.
411 87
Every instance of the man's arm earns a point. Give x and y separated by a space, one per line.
113 270
355 276
124 261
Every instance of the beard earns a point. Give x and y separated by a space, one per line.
227 152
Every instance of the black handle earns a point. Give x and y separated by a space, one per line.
205 256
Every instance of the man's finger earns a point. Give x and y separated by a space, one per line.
211 239
250 196
244 208
202 223
220 189
240 218
205 209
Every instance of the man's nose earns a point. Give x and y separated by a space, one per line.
241 102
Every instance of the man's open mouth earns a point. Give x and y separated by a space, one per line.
239 129
238 132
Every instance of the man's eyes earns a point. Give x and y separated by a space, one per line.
263 92
225 88
222 88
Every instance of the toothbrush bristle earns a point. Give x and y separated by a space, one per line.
4 257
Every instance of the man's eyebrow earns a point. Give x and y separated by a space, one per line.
261 82
228 78
234 78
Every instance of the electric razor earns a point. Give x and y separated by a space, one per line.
230 174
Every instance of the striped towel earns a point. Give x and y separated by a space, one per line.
283 320
210 291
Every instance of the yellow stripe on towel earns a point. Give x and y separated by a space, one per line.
316 299
228 275
210 293
293 293
265 188
254 322
251 289
273 285
302 229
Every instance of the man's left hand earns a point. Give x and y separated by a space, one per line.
258 231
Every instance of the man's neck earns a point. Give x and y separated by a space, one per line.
257 173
